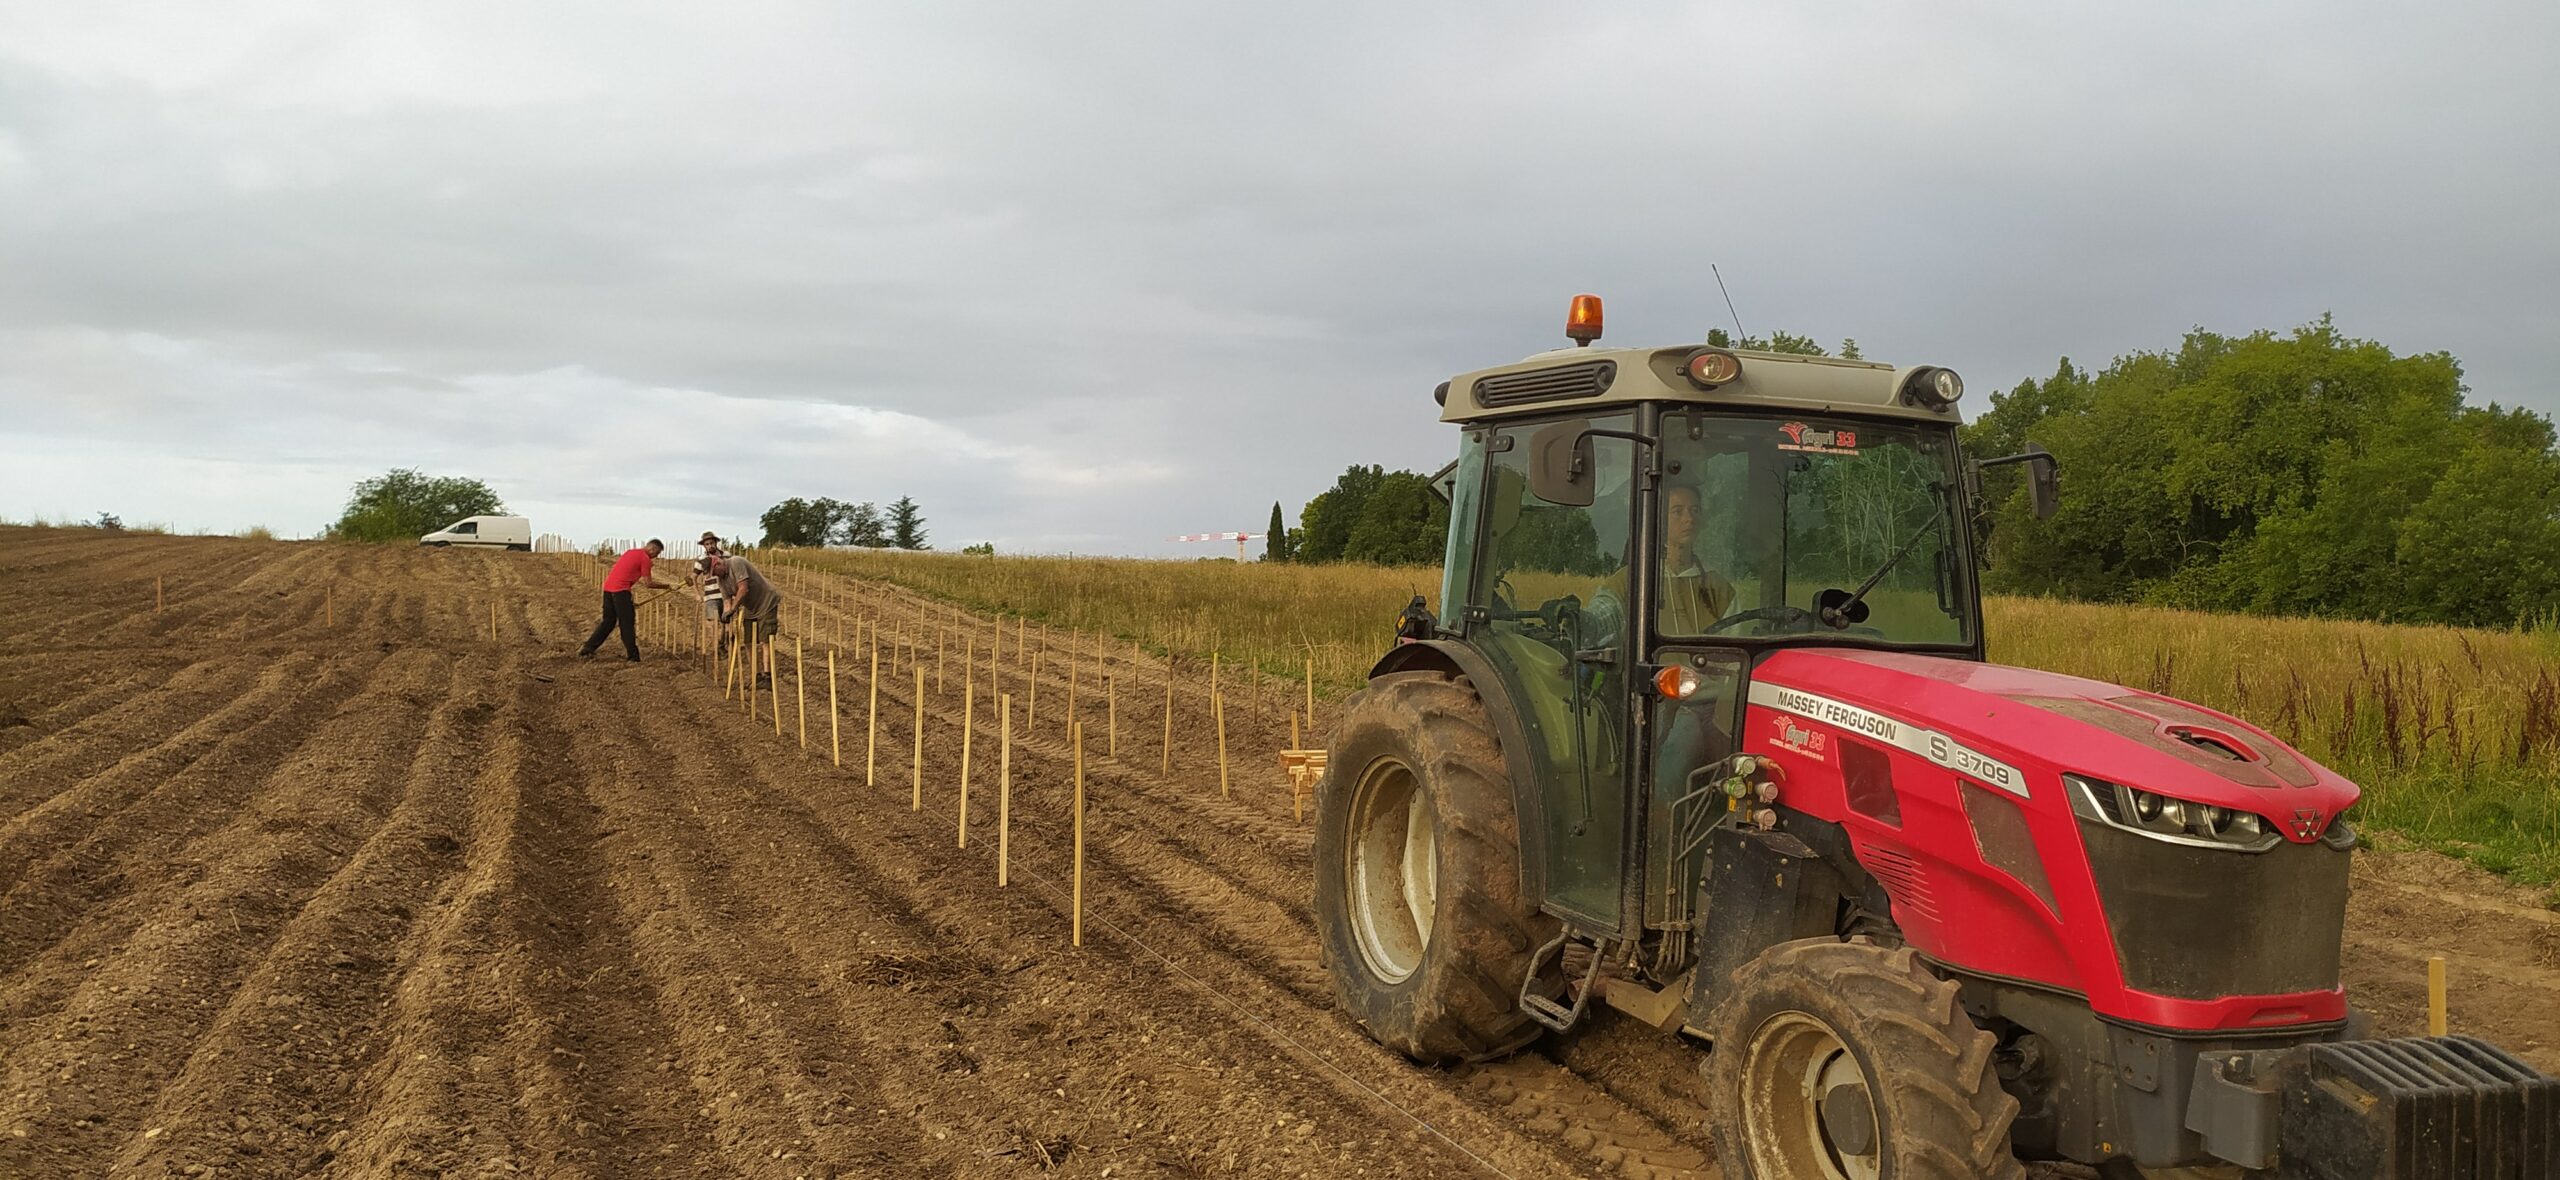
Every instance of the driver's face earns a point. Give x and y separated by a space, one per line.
1680 519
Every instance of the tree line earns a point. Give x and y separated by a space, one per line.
2307 472
405 503
826 521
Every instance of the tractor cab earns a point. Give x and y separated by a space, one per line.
1703 733
1631 529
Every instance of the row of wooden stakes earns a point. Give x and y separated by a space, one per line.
752 658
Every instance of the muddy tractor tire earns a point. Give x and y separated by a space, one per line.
1849 1061
1417 866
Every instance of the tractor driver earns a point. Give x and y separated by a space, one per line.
1690 733
1693 596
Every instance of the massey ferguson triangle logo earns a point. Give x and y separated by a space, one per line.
2306 822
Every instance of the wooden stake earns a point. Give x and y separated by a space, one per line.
755 666
835 738
2436 1022
1167 768
1073 666
1311 693
730 687
916 774
871 738
1031 708
1021 626
800 685
1293 730
1078 905
1004 788
941 640
773 664
493 620
968 731
1218 706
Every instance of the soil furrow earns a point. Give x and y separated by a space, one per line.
119 1023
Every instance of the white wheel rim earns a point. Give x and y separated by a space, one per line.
1394 866
1790 1063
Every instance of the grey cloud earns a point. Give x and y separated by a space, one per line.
1146 269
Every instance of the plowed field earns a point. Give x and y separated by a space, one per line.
308 874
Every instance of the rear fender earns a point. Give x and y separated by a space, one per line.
1454 660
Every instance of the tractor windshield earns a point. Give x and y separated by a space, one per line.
1775 527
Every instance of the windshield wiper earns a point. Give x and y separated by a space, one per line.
1837 616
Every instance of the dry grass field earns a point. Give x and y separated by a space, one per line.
2454 734
339 864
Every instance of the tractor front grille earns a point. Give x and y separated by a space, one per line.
2201 923
1554 384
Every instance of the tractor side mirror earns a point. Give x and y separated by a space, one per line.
1560 465
2044 488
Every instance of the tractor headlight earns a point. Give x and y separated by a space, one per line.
2177 821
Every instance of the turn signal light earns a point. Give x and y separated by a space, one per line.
1678 682
1582 321
1709 369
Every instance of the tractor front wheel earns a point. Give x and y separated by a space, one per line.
1847 1061
1417 882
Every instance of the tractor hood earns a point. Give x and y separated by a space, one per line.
2044 724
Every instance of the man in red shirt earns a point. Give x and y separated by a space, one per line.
636 567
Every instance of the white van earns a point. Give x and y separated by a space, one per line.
492 532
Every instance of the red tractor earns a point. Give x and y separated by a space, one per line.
1703 732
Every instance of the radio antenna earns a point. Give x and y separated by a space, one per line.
1738 333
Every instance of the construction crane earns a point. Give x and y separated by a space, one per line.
1238 538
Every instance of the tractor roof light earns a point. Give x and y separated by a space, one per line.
1582 320
1932 387
1712 367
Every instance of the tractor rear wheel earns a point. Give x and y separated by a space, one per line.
1848 1061
1417 859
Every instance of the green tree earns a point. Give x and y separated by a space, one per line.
1276 544
1402 522
405 503
1325 524
906 524
799 522
2308 473
861 526
2483 548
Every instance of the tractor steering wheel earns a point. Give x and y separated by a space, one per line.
1771 614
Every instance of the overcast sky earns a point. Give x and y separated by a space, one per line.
1082 276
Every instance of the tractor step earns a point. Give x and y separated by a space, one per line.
1554 1015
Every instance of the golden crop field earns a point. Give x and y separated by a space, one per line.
2454 734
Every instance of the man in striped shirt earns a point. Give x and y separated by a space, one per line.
636 567
707 572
